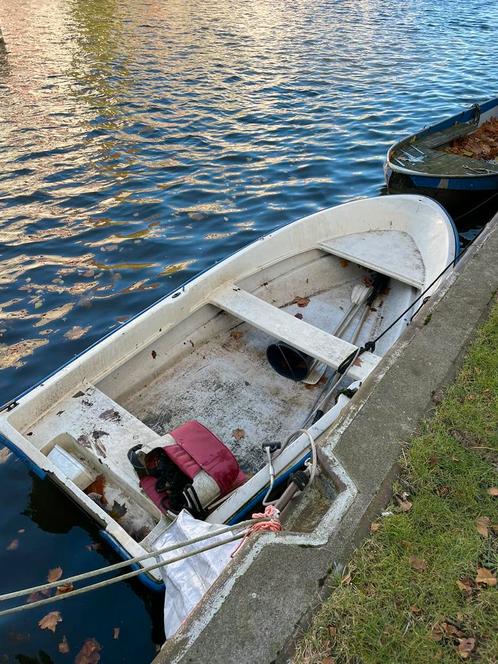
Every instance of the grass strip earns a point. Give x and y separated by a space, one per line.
422 588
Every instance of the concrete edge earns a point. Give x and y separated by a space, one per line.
287 574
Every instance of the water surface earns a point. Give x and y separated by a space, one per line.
143 140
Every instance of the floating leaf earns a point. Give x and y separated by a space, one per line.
76 332
238 434
54 574
4 454
13 545
482 524
64 588
301 301
465 647
418 564
89 653
485 577
50 621
63 646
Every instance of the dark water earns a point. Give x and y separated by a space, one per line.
142 140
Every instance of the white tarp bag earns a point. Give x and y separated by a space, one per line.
187 580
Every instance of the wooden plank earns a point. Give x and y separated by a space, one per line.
285 327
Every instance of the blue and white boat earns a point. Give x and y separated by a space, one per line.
421 162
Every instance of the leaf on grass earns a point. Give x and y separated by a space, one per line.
485 577
346 579
13 545
54 574
482 524
465 647
451 630
328 660
465 585
236 334
115 633
64 588
4 454
415 609
238 434
493 491
404 504
301 301
63 646
50 621
418 564
375 526
89 653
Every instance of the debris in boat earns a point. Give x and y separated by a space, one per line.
238 434
87 403
117 510
64 588
63 646
37 596
84 441
78 395
115 633
54 574
50 621
301 301
154 354
94 546
59 413
98 433
89 653
480 144
110 415
97 487
300 316
13 545
4 454
236 334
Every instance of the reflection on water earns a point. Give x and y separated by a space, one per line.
142 140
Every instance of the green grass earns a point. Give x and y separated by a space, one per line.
384 610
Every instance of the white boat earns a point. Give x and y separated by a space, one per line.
201 354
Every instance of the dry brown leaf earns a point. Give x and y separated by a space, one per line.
238 434
4 454
64 588
54 574
37 596
465 585
236 334
404 504
76 332
482 524
13 545
50 621
437 632
415 609
451 630
328 660
375 526
346 579
89 653
63 646
301 301
343 262
465 647
115 633
332 631
485 577
418 564
493 491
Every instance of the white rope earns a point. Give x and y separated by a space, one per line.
122 577
126 563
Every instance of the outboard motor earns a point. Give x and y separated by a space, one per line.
191 470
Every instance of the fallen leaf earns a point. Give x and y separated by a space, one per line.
332 631
493 491
236 334
4 454
115 633
418 564
343 262
485 577
50 621
346 580
375 526
63 646
415 609
482 524
89 653
465 647
54 574
13 545
451 630
437 633
64 588
37 596
238 434
76 332
404 504
117 510
465 585
328 660
301 301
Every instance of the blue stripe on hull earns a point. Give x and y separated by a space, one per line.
22 456
477 183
